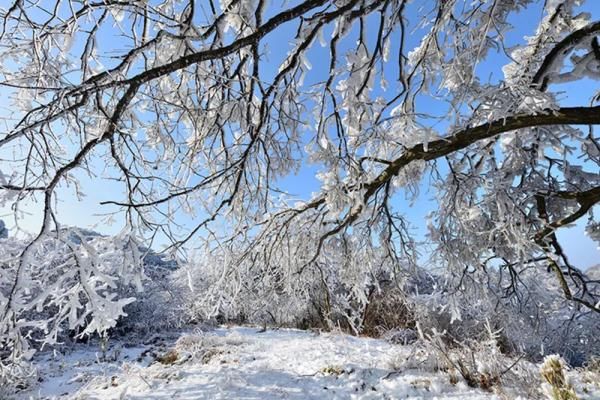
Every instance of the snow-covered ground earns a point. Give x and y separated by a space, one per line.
246 363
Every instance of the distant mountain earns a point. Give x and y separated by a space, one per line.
152 259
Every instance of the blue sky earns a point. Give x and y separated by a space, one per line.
88 213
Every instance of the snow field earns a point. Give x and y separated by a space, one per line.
245 363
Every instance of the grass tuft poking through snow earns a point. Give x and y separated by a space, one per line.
557 384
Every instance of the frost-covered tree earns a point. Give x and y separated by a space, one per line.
198 108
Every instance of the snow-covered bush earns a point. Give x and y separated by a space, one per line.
15 373
477 361
532 318
209 292
388 309
354 288
159 306
59 285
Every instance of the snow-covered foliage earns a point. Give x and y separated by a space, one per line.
59 287
354 287
533 322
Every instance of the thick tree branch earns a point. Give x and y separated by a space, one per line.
464 138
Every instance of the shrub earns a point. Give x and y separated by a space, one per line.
65 282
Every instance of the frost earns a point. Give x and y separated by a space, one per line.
386 50
593 231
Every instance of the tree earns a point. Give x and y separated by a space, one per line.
199 108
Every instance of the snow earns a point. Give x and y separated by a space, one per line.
245 363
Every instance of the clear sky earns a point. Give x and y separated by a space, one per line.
86 212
